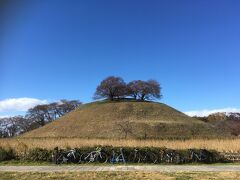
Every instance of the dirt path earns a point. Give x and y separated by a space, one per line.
163 168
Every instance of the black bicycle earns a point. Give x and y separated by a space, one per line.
201 156
172 157
138 156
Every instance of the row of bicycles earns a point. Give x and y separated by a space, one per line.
135 156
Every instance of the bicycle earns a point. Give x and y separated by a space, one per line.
168 157
142 157
197 156
172 157
71 156
95 156
117 158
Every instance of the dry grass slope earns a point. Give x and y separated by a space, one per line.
141 119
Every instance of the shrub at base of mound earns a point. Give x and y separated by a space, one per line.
161 155
38 154
7 154
146 155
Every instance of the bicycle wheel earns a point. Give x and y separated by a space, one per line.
150 158
102 158
121 159
134 158
196 158
167 158
176 159
85 158
54 158
75 158
59 159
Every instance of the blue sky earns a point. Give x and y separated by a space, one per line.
55 49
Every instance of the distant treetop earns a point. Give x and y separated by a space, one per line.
115 88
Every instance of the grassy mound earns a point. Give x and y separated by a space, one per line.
126 119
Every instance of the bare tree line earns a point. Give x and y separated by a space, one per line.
36 117
224 123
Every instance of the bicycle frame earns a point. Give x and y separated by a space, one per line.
136 152
93 155
72 153
66 156
169 157
118 158
199 157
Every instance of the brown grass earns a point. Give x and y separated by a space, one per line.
22 144
119 175
102 119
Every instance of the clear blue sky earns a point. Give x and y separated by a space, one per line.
54 49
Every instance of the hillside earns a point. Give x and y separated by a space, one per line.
125 119
229 122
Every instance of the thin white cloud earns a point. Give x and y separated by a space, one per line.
4 116
206 112
19 104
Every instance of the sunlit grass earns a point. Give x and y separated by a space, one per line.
119 175
23 144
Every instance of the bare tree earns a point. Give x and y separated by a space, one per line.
42 114
154 89
4 127
234 127
144 90
65 106
133 88
125 128
12 126
38 114
111 88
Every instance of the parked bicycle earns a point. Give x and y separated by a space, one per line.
172 157
117 158
196 156
61 156
201 156
142 157
95 156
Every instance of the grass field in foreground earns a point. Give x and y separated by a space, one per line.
119 175
22 144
